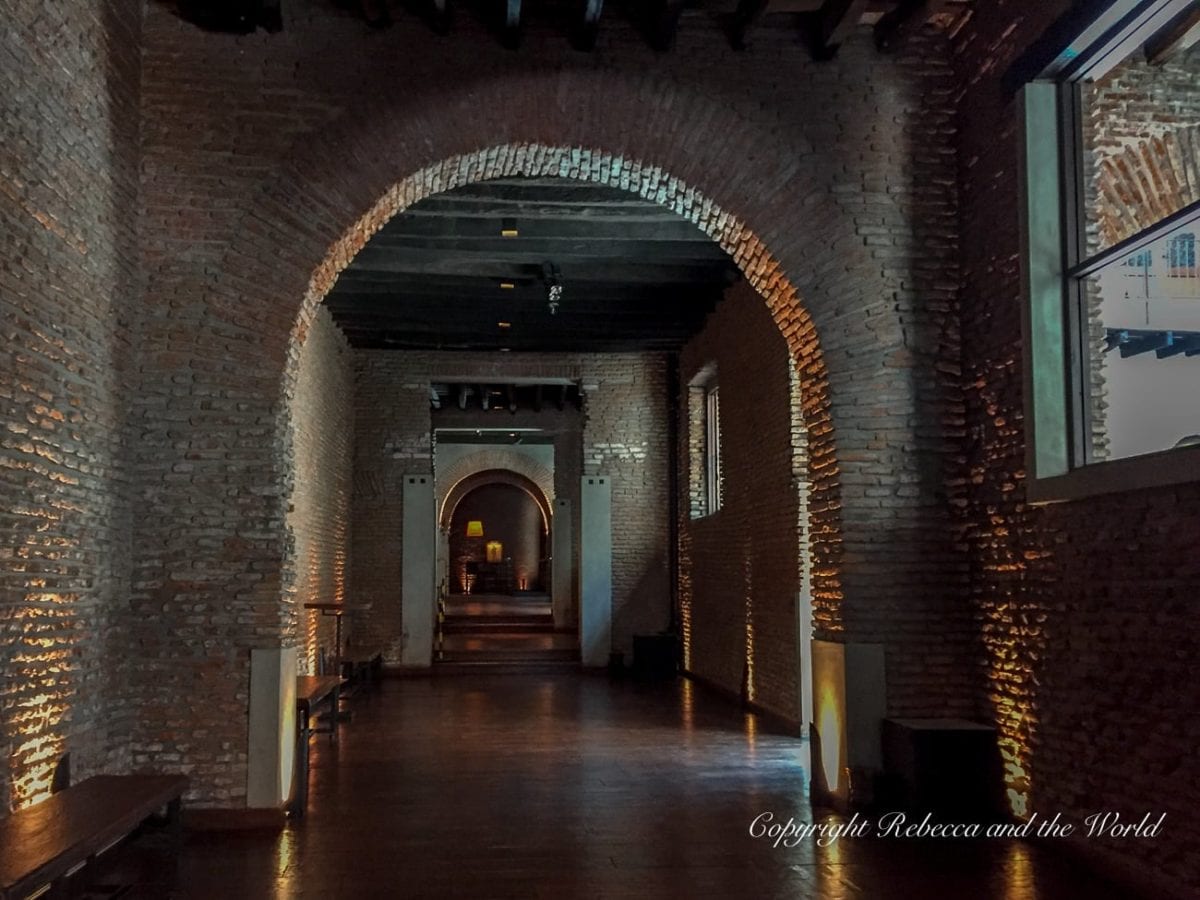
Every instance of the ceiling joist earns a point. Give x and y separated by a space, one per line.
587 24
903 21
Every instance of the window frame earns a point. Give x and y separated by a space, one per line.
1055 267
712 449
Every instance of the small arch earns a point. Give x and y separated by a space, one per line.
494 459
465 485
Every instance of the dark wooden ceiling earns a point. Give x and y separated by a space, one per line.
472 269
823 24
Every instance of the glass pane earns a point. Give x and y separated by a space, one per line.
1143 315
1141 140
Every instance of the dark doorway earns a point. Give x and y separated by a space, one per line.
497 542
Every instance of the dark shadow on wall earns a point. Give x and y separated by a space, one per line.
646 611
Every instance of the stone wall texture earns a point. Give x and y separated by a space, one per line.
1087 660
69 85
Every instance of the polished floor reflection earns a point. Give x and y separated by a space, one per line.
569 786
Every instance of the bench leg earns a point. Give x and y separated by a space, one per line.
300 801
175 821
337 714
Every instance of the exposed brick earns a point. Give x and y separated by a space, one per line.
1086 666
69 86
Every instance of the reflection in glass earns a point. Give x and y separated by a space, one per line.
1144 348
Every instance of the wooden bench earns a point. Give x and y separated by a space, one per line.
48 843
312 691
363 668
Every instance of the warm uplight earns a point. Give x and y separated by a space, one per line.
749 619
829 726
829 717
474 528
46 662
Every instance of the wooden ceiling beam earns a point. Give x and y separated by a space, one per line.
837 20
446 289
376 12
747 15
664 23
578 224
549 248
499 306
594 270
627 327
441 15
904 20
511 27
395 342
587 24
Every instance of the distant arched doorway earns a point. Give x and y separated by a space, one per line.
497 526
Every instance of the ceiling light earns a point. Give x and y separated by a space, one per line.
507 285
505 324
554 286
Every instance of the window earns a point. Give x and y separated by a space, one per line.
1112 208
712 449
704 443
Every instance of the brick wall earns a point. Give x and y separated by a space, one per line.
1142 127
69 82
509 516
319 507
267 160
624 435
740 568
1141 163
1087 654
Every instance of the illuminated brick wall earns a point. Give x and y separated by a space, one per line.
740 568
624 435
319 506
265 165
69 83
1083 608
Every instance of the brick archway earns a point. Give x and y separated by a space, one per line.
853 262
1148 181
539 476
477 479
762 270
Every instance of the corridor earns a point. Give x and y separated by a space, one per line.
569 786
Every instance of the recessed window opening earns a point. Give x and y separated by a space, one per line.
1113 132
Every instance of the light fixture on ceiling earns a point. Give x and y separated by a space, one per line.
504 324
554 286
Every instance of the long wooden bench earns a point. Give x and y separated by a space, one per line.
48 843
312 691
362 668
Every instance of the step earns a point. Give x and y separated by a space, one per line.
547 667
516 654
471 626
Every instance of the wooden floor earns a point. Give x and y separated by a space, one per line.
568 786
